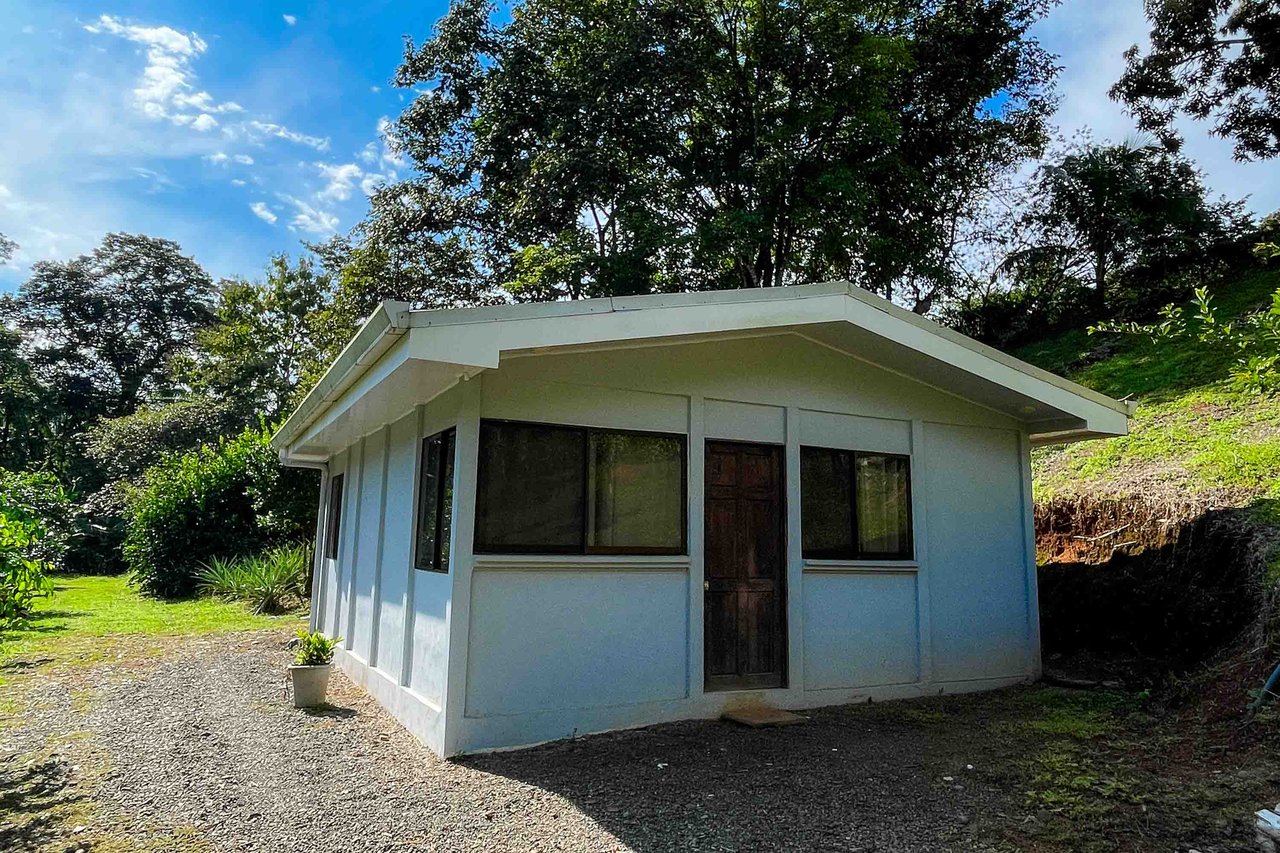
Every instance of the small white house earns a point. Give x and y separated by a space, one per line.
545 520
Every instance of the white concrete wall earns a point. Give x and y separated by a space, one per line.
980 625
392 617
560 646
509 650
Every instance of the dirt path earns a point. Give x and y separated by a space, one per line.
197 750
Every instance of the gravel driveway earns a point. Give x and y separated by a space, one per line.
197 750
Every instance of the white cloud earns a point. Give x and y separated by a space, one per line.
290 19
375 89
236 182
310 219
263 212
166 89
260 129
1090 38
222 158
341 180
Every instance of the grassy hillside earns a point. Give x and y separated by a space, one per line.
1193 437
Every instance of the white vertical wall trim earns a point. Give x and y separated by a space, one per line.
353 592
1029 538
920 538
461 557
794 589
376 627
697 449
317 555
410 611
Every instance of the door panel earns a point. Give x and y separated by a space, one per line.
744 566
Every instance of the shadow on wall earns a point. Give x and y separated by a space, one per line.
1139 591
853 777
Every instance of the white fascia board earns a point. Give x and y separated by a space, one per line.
384 326
1101 415
394 356
474 339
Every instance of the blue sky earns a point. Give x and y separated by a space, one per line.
241 128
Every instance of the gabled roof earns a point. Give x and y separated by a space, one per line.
401 354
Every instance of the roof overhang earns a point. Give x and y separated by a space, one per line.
401 358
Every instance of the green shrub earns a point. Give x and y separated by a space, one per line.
23 577
37 497
314 649
270 582
223 501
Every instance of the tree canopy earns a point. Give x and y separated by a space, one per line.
1216 60
591 147
105 327
1103 211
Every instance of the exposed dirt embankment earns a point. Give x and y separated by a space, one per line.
1140 590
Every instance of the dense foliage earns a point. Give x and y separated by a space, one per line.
270 582
26 547
39 498
228 500
584 148
1215 60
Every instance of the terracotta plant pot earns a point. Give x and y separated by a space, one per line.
310 684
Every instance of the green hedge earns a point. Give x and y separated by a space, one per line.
223 501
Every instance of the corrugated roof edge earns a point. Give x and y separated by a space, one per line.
390 318
397 318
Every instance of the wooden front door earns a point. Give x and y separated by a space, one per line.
744 597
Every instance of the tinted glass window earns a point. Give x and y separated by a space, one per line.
637 492
854 505
435 502
530 490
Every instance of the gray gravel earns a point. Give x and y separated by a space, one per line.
197 750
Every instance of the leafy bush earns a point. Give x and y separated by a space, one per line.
37 496
270 582
24 577
117 451
1255 338
222 501
1019 315
314 649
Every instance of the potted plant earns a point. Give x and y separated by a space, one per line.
312 663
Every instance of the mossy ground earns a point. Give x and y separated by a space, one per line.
1193 434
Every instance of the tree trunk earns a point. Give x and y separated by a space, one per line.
1100 285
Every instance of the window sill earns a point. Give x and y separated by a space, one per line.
878 567
581 562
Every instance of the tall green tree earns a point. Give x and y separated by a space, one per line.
254 354
103 328
1216 60
597 147
21 406
1104 211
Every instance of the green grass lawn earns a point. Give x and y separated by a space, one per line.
85 612
1193 434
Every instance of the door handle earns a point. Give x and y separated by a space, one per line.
706 586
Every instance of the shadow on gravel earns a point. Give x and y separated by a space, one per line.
333 712
843 780
31 795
